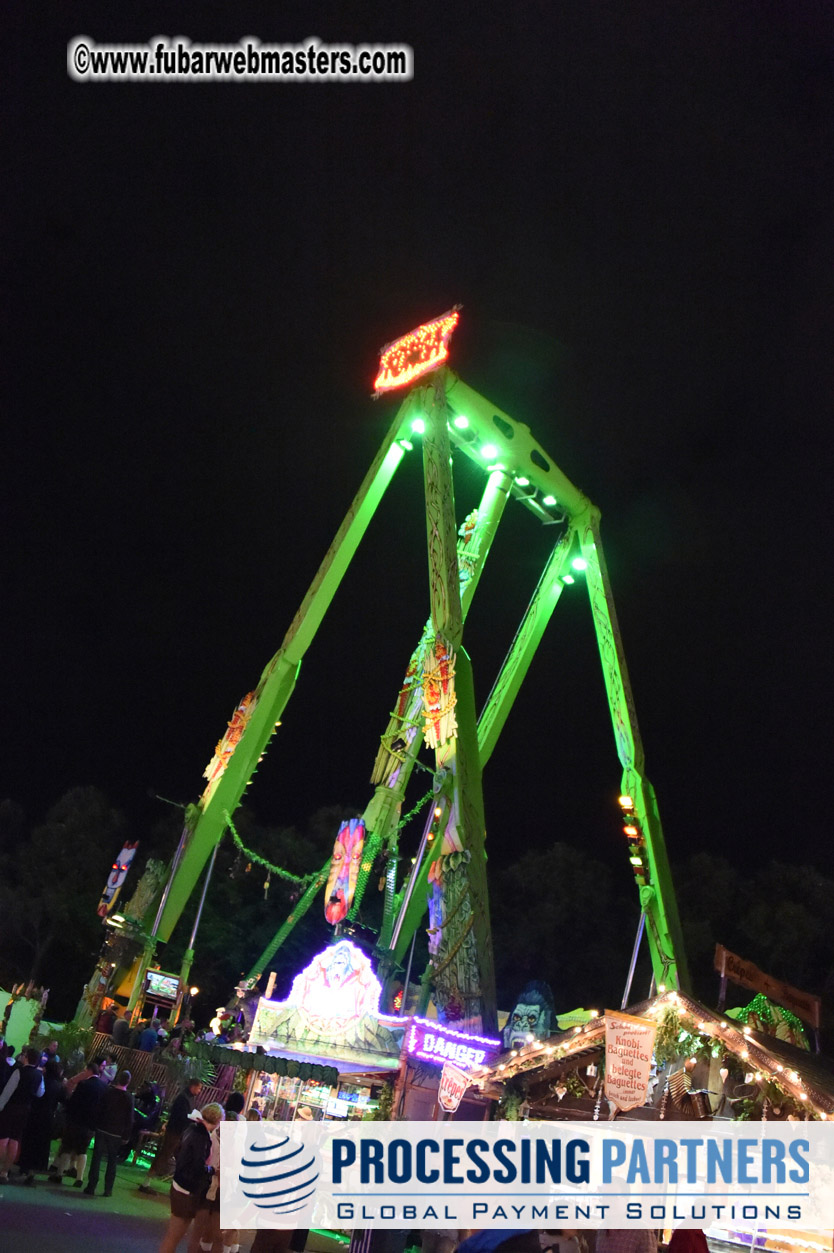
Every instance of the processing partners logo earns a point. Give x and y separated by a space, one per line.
524 1175
278 1174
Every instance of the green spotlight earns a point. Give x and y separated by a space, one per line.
548 500
522 482
568 579
579 563
461 422
418 426
489 452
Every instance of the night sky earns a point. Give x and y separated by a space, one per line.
633 203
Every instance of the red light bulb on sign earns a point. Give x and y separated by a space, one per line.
416 353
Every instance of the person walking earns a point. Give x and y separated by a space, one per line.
192 1174
22 1089
206 1233
81 1118
113 1127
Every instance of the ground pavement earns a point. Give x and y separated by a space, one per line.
61 1219
50 1219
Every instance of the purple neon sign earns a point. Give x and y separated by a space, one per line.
434 1042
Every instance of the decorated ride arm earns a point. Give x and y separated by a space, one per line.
226 787
646 843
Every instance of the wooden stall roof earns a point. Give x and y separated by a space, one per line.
806 1077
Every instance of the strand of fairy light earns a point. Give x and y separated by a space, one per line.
538 1053
739 1041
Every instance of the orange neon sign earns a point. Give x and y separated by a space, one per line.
414 354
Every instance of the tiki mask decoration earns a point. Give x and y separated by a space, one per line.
344 869
117 876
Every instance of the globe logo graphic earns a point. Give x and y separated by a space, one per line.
279 1176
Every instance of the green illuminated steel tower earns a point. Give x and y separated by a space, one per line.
436 704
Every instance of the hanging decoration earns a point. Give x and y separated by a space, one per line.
116 878
629 1043
253 859
415 354
223 752
439 698
467 550
344 870
403 723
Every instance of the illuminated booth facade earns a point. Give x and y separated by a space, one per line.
330 1016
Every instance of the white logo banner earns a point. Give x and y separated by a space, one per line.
527 1175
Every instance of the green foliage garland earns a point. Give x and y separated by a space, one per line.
278 871
666 1044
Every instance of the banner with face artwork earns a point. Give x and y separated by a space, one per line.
344 869
116 878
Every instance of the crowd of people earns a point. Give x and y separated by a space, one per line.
155 1035
95 1108
38 1105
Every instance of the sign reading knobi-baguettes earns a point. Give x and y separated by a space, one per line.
629 1043
527 1175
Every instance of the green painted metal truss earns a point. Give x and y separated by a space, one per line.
436 704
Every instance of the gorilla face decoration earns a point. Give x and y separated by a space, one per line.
532 1016
344 869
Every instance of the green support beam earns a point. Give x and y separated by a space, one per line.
656 890
278 679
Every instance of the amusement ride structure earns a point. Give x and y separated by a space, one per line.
435 707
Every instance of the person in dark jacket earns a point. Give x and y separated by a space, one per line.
181 1109
121 1028
147 1107
22 1089
37 1138
192 1174
82 1115
113 1127
148 1038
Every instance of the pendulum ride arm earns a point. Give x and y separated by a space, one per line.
382 812
457 753
543 481
492 719
278 680
384 808
648 847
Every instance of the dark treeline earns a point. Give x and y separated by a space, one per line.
557 914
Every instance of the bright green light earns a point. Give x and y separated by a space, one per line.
489 452
461 422
548 500
523 482
406 444
579 563
418 426
568 579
